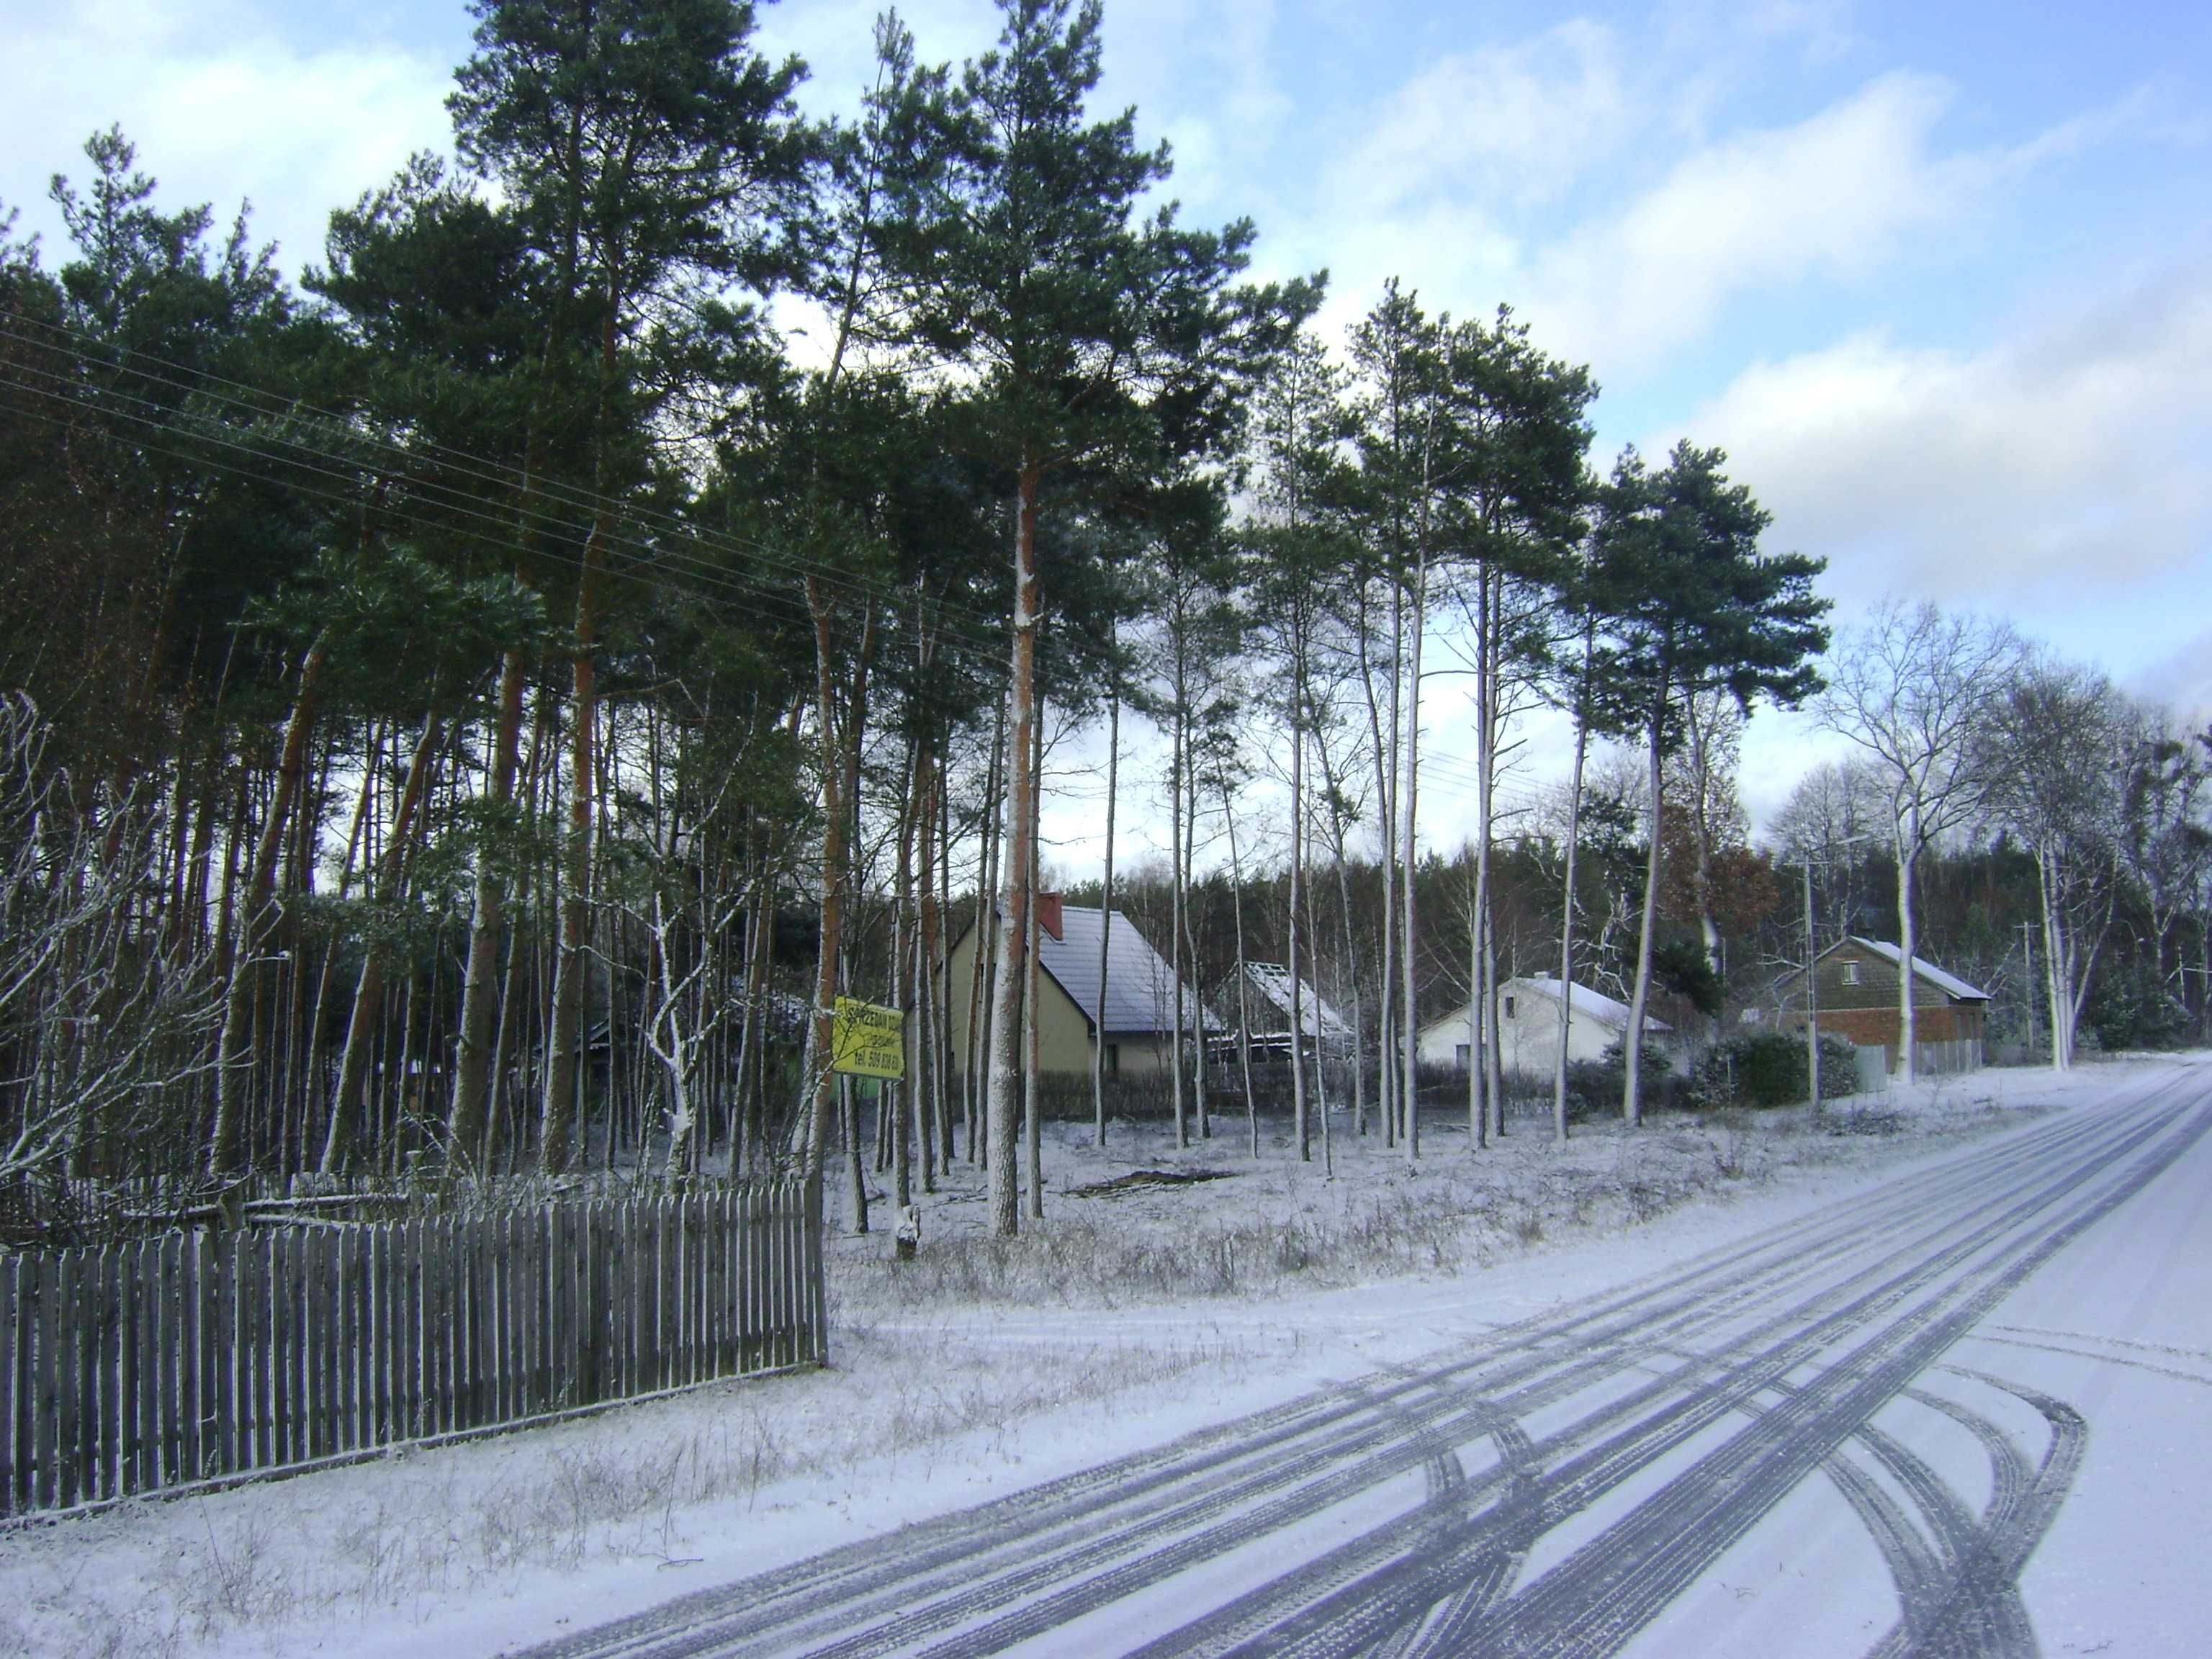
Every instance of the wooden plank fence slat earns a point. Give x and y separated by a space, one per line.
283 1347
528 1287
69 1402
810 1199
11 1457
193 1288
45 1398
491 1253
668 1311
383 1428
750 1313
453 1326
298 1409
322 1250
483 1364
54 1379
143 1403
438 1328
219 1410
415 1420
787 1304
157 1409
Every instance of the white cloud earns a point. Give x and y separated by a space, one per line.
217 115
836 38
2182 681
1832 196
2066 459
1521 122
1460 187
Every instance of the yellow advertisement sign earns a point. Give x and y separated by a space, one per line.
867 1040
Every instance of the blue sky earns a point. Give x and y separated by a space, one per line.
1938 277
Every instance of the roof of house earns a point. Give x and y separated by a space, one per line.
1927 970
1586 1004
1272 980
1140 984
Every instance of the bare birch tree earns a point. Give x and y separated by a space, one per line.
1913 687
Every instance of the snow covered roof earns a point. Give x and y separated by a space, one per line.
1140 984
1586 1003
1272 980
1927 970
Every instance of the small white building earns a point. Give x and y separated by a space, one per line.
1528 1012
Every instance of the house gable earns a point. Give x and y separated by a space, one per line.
1858 973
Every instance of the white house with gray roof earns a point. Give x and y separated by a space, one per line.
1529 1013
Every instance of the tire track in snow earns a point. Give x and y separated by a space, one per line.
1343 1602
1609 1589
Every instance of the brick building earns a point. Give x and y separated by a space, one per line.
1854 998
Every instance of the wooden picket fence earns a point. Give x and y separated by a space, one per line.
212 1355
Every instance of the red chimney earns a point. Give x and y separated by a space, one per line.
1050 917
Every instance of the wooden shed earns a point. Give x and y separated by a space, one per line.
1854 988
1265 1005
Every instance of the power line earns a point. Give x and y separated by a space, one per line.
486 469
341 464
749 593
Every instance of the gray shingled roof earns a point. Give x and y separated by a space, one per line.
1140 984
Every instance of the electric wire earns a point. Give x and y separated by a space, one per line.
665 549
749 593
467 463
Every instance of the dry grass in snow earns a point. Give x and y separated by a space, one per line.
1273 1224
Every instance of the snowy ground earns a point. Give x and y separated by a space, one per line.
1132 1315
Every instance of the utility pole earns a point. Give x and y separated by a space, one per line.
1812 962
1812 1023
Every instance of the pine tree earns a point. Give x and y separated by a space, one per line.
655 161
1693 608
1089 336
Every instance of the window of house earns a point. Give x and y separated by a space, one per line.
1460 1056
1113 1059
1851 973
1508 1007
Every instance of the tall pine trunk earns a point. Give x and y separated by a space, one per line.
1032 1106
348 1099
1303 1131
1409 806
1106 913
1631 1097
472 1050
1003 1101
1567 896
837 759
1243 984
226 1143
570 971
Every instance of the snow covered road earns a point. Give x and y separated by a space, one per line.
1964 1413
